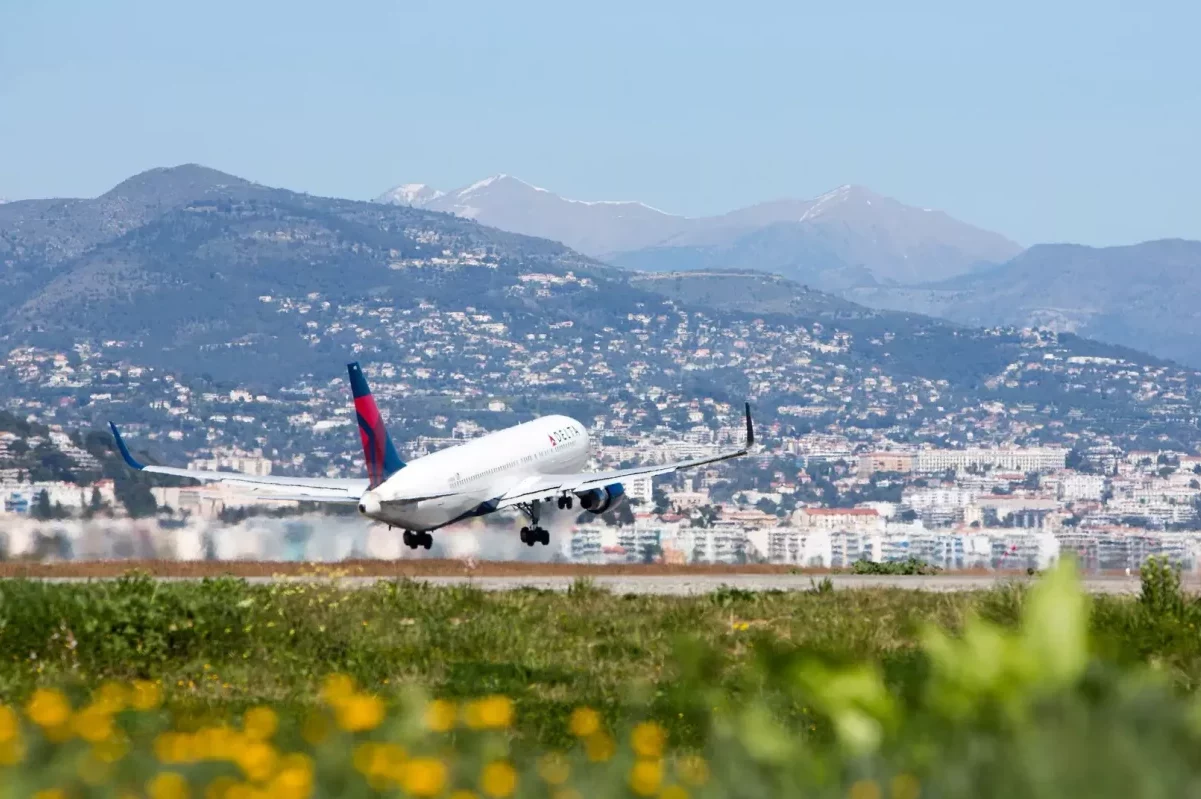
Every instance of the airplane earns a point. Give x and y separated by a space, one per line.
521 466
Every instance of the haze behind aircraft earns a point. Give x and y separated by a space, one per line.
521 466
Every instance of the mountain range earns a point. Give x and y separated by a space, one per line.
847 237
222 282
875 251
1141 296
180 257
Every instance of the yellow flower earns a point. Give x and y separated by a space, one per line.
260 723
599 747
493 712
294 780
111 749
498 779
693 770
645 777
112 697
673 792
48 708
92 723
553 768
337 689
12 752
146 695
10 725
904 786
584 722
220 788
174 747
360 712
439 715
380 761
217 743
648 739
167 785
424 776
51 793
257 761
864 789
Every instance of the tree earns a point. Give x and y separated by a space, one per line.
659 496
95 504
136 497
651 553
42 510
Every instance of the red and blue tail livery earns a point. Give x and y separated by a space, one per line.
382 460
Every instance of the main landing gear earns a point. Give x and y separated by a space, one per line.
413 540
537 535
533 535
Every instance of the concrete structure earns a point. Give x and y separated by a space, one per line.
1024 460
873 462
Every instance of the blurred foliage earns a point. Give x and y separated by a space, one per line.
1033 692
908 566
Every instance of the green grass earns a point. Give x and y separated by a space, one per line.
229 644
1036 692
224 644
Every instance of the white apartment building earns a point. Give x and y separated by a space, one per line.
939 507
640 489
1035 459
21 498
207 501
252 463
1076 486
840 519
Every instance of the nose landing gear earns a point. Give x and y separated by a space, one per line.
413 540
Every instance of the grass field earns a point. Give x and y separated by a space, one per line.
817 690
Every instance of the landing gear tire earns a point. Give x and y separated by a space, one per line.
535 536
413 540
565 503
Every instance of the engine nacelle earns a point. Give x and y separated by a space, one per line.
599 500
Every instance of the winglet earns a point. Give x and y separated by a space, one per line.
750 428
124 449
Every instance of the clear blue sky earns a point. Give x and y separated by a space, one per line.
1046 121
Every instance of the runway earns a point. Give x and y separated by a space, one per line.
693 584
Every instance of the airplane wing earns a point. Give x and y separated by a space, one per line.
535 488
307 489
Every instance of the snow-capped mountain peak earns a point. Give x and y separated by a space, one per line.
416 194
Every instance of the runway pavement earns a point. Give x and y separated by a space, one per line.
682 585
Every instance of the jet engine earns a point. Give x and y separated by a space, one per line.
599 500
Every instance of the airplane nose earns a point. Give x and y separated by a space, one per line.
369 504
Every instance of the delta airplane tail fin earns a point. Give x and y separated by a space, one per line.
382 460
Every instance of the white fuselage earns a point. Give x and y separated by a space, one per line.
463 479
